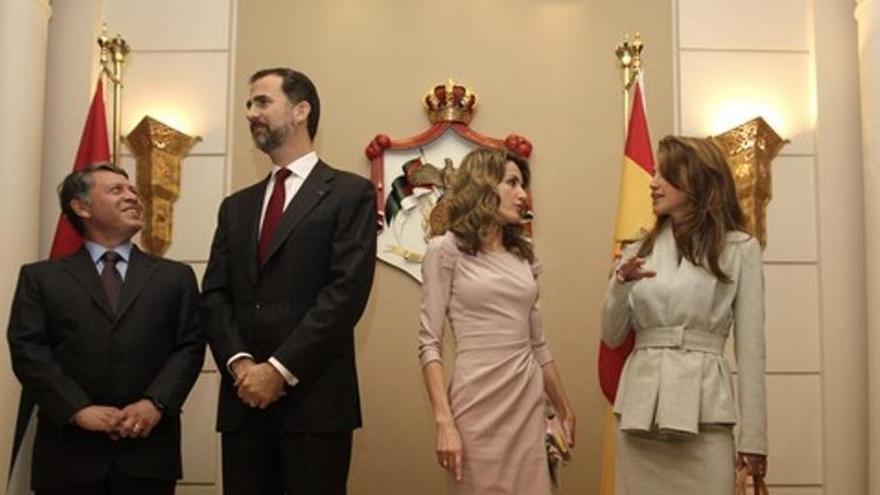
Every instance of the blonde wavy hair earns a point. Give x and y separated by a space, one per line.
698 168
469 208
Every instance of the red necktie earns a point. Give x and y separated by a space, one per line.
273 213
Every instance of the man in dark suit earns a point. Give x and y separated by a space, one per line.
289 275
107 341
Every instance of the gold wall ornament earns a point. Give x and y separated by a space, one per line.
750 149
158 150
450 102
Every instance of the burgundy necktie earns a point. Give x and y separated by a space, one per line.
273 213
111 279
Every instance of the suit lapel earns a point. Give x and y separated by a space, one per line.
313 190
251 212
140 268
82 268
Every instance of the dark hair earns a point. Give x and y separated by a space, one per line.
470 206
77 185
298 87
699 168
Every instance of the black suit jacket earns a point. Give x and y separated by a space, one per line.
301 306
69 351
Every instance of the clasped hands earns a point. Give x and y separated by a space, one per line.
135 420
258 385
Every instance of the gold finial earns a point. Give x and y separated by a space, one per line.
113 52
629 57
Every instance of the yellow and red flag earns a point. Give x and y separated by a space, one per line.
634 215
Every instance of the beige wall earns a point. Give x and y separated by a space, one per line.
545 70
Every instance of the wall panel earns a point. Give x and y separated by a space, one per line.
722 89
744 25
186 90
791 215
168 25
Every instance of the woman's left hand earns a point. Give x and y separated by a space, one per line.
756 464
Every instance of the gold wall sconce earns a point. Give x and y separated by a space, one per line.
159 151
750 148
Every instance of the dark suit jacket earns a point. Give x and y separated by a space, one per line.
69 351
301 306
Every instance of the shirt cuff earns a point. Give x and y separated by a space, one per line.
234 358
288 376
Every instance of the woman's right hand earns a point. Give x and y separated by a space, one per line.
631 270
449 450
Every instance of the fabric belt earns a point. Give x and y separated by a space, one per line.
681 338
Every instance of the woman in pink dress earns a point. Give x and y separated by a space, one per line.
480 272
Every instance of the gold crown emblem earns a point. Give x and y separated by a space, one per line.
450 102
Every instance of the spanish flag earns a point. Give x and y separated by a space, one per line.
634 215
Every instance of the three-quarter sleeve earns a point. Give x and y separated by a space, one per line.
616 312
437 268
536 325
748 311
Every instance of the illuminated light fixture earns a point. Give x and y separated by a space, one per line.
159 151
750 148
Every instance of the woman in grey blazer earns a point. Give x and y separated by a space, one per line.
694 279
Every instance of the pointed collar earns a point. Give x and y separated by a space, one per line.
301 167
96 251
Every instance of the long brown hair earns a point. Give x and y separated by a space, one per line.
470 206
698 168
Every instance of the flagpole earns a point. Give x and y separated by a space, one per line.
113 52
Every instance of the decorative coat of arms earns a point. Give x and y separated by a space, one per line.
410 174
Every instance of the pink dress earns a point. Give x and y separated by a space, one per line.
497 388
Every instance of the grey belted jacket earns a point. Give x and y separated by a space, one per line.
677 376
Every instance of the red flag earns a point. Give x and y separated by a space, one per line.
94 147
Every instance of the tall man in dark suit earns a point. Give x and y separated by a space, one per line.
290 271
107 341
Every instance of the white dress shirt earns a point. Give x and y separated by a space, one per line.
300 170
